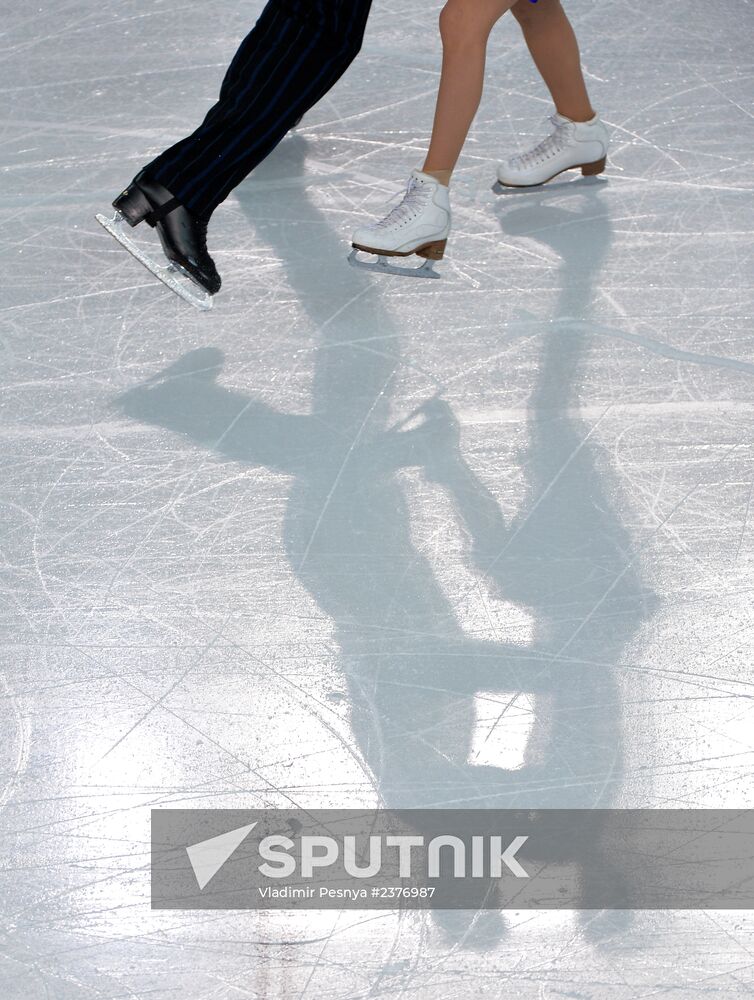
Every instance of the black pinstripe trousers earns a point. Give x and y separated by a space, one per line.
295 53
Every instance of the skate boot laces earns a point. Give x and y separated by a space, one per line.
412 205
200 227
555 143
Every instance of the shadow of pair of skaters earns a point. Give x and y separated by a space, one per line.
412 671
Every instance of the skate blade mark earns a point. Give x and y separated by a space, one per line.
16 746
171 275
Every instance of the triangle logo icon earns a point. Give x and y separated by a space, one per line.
208 856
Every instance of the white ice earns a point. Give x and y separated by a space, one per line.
313 564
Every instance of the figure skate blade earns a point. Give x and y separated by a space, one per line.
172 275
383 266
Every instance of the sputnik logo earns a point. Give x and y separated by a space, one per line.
208 856
487 856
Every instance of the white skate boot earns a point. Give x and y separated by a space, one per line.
419 225
572 144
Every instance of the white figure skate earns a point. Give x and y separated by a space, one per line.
170 274
419 225
571 145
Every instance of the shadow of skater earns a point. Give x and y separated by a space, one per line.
412 672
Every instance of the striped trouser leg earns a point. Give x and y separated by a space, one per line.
297 50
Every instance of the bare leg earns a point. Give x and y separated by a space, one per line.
555 52
465 26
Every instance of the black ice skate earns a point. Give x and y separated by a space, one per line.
182 235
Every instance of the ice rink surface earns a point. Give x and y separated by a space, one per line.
314 547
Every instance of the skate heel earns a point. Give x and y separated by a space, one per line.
133 205
592 169
433 251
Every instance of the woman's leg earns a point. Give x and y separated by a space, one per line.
555 52
465 26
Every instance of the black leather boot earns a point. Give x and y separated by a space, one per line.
183 235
